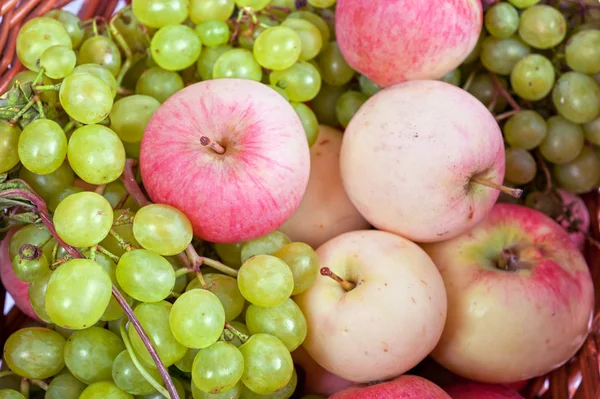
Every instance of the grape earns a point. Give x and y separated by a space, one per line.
42 146
230 254
208 58
237 63
582 174
101 73
130 115
476 52
175 47
65 386
370 88
501 55
542 27
154 318
277 48
85 97
157 395
48 96
30 265
159 13
226 289
127 377
482 87
78 293
310 37
37 296
10 394
9 143
577 97
186 362
316 20
256 5
265 280
83 219
101 50
532 78
70 22
284 321
114 192
145 276
242 328
197 319
58 197
526 129
213 33
96 154
583 51
284 393
125 231
50 184
58 61
563 142
206 10
33 234
217 368
453 77
301 82
132 150
159 83
162 229
334 68
34 352
249 32
265 245
36 35
233 393
323 104
347 105
104 390
303 262
309 122
502 20
523 3
592 131
520 166
268 365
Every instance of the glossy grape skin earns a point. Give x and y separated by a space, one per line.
501 55
347 105
526 129
563 142
104 390
157 395
78 293
502 20
532 78
335 71
453 77
542 26
230 254
29 270
34 352
35 36
37 297
277 48
159 13
301 82
50 184
583 51
163 229
206 10
145 275
70 22
520 166
159 83
582 174
482 87
370 88
284 321
58 61
265 280
65 386
101 73
309 122
268 365
226 289
186 362
233 393
310 37
130 115
125 231
217 368
34 234
324 104
577 97
303 262
58 197
42 146
284 393
213 33
9 143
265 245
127 377
523 3
103 51
85 97
592 131
316 20
237 63
175 47
208 58
10 394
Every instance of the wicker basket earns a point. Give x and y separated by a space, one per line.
578 379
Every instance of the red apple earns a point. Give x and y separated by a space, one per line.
403 387
391 41
520 297
317 380
473 390
229 153
575 218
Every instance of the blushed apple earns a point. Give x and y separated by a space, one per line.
473 390
415 159
403 387
325 211
317 380
520 297
229 153
384 315
391 41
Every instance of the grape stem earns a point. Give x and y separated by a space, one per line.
513 192
25 387
39 76
243 337
546 172
504 93
106 252
195 261
42 88
506 115
40 384
100 189
128 179
345 284
123 243
22 111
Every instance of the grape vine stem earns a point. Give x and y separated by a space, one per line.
504 93
128 179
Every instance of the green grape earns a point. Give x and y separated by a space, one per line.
154 318
64 386
78 293
30 264
453 77
301 82
213 33
268 365
309 122
501 55
9 144
334 68
238 63
208 58
197 319
502 20
186 362
265 280
49 96
249 32
523 3
226 289
58 61
130 116
542 26
101 73
284 321
85 97
175 47
323 104
50 184
83 219
35 36
157 395
180 282
32 234
132 150
230 254
145 276
58 197
277 48
115 325
206 10
316 20
370 88
114 311
532 78
476 52
37 296
577 97
34 352
482 87
520 166
322 3
67 333
70 22
10 394
127 377
347 105
563 142
104 390
582 174
583 51
233 393
125 231
114 192
265 245
592 131
217 368
526 129
100 50
310 37
162 229
159 83
256 5
284 393
42 146
303 262
159 13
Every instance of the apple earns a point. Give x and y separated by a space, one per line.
520 297
403 387
325 211
317 380
385 313
415 159
575 217
473 390
229 153
392 41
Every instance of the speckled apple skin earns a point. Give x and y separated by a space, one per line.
403 387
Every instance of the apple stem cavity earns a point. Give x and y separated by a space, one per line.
513 192
216 147
509 261
345 284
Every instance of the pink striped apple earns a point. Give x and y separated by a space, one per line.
403 387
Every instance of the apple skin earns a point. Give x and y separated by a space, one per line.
392 41
473 390
389 322
409 154
317 380
325 211
253 187
506 326
579 212
403 387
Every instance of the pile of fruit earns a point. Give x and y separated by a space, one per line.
225 199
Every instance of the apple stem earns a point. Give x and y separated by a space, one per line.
346 285
216 147
513 192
